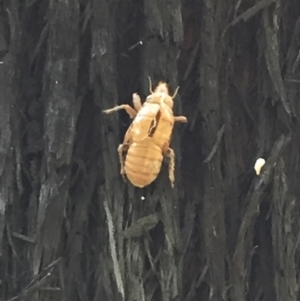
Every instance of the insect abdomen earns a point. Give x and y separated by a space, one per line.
143 162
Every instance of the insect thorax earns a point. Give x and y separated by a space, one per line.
160 98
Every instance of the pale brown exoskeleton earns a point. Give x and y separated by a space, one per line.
148 138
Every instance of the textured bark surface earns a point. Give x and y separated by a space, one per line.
71 228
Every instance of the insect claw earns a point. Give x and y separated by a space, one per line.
114 109
123 177
180 119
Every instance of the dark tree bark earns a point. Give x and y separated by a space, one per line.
71 228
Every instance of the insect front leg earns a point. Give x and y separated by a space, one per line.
137 103
129 110
180 118
171 154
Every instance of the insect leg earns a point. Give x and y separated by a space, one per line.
136 101
180 118
128 135
150 85
171 154
121 158
129 110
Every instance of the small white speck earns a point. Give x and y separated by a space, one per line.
142 198
141 42
56 82
260 162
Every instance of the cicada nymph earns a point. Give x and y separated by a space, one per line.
148 138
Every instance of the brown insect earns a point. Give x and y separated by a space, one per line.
148 138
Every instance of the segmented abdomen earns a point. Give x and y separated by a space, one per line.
143 162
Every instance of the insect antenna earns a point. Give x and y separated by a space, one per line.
150 85
175 93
